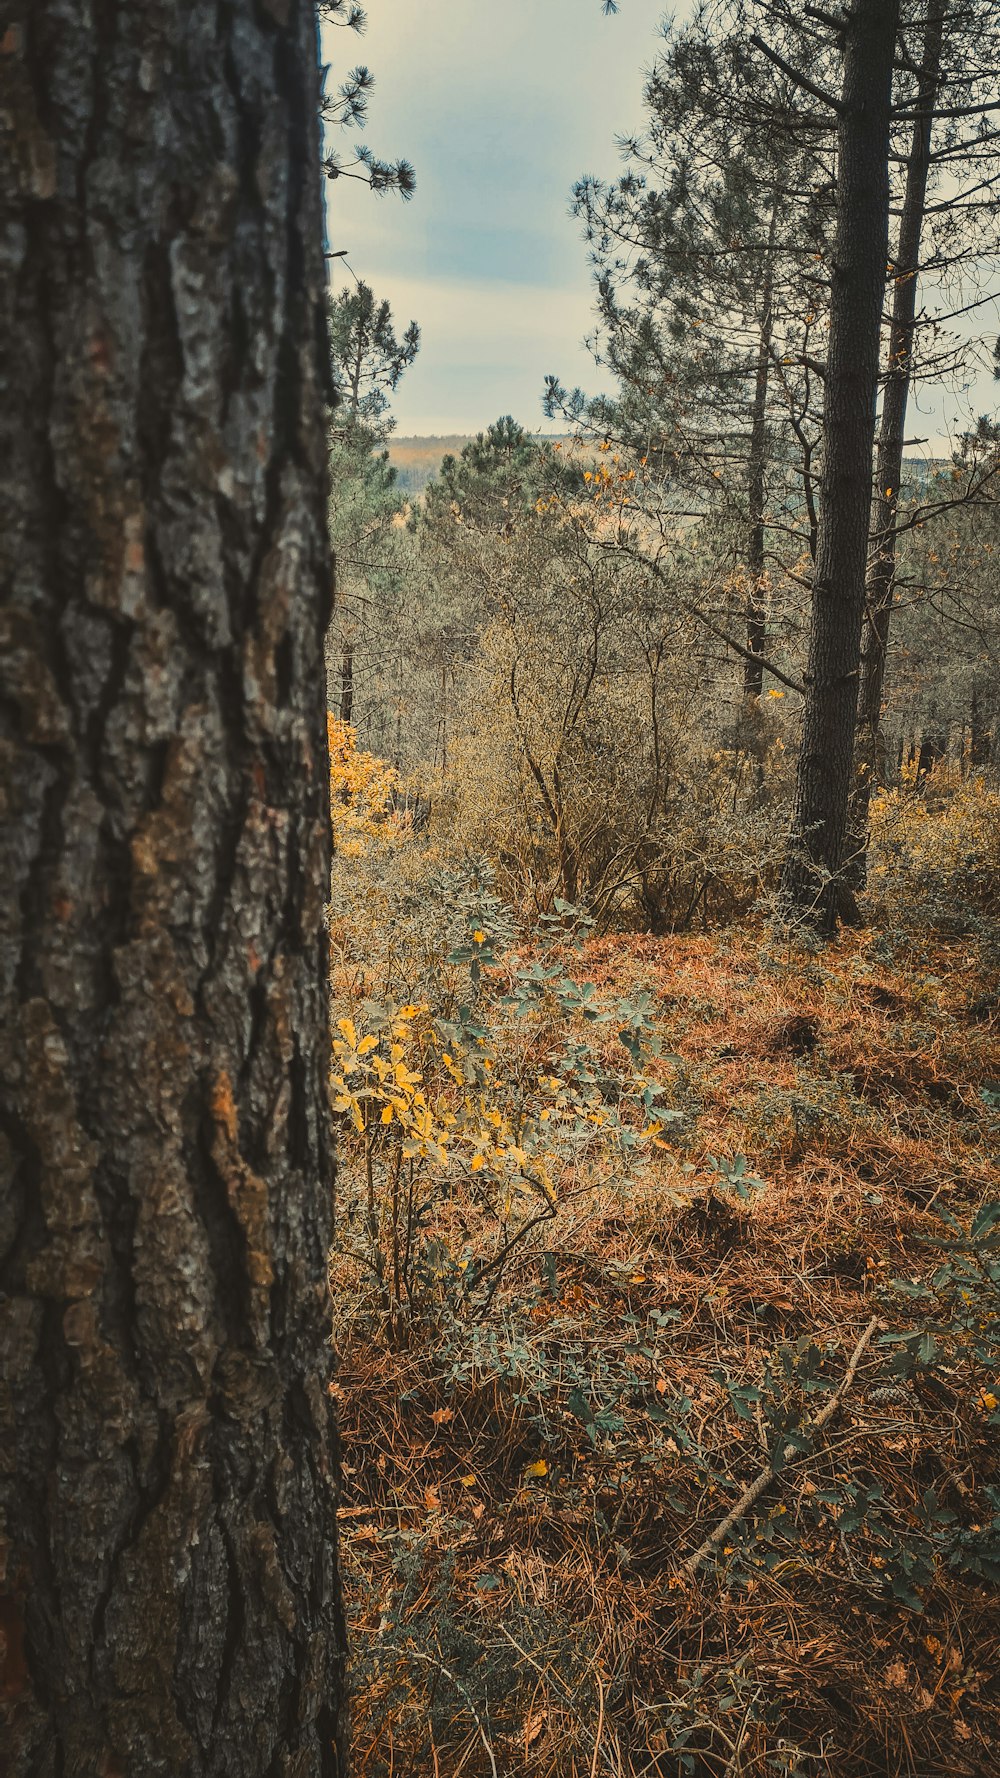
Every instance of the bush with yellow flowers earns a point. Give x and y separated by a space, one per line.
935 850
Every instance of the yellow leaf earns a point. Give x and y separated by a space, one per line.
478 1161
346 1027
467 1481
537 1469
387 1114
367 1044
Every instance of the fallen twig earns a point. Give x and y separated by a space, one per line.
768 1474
432 1661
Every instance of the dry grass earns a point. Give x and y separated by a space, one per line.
515 1580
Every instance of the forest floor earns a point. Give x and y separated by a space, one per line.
525 1486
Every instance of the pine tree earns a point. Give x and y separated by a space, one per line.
368 360
867 41
889 89
704 253
953 58
169 1483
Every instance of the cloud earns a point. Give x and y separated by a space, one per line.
500 110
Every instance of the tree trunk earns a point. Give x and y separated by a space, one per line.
753 670
168 1478
347 682
811 889
889 457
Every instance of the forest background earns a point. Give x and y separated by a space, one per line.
664 1100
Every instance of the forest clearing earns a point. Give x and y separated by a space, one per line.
500 848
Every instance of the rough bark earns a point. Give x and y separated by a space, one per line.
889 456
811 888
168 1469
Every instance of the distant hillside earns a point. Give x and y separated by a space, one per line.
418 460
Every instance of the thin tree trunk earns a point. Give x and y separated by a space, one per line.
347 682
168 1479
889 456
811 889
753 670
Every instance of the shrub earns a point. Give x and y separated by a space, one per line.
935 852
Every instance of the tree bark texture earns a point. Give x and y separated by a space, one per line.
889 455
167 1461
811 888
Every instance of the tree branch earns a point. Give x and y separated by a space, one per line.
768 1474
800 80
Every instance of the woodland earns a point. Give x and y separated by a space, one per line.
500 1041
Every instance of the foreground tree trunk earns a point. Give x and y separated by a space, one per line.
811 887
889 456
168 1472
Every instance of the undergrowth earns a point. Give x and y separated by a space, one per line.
617 1217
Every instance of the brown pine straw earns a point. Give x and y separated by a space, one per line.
857 1140
788 1455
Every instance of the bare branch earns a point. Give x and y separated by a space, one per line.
800 80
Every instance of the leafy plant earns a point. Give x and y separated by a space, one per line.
428 1111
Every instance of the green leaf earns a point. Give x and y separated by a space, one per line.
984 1220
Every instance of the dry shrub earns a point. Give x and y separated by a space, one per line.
663 824
935 852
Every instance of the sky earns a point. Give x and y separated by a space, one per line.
500 108
501 105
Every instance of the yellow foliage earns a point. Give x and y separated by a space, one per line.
363 791
937 847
